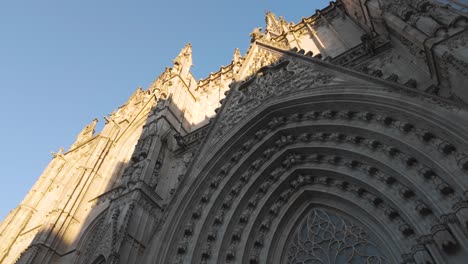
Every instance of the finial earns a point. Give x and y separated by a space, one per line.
256 34
183 61
273 25
58 154
237 56
185 53
86 133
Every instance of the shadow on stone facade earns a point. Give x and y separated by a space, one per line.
117 223
123 220
353 134
63 239
283 145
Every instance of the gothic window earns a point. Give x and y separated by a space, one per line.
325 237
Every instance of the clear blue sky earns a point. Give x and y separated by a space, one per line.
62 63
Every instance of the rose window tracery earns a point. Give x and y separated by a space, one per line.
324 237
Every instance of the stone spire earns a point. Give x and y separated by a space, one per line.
237 56
273 25
183 61
236 61
85 134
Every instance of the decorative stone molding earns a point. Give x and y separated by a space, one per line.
296 131
269 81
290 160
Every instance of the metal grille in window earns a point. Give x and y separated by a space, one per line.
324 237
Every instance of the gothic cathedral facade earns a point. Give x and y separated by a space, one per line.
342 138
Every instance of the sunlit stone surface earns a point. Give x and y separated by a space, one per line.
341 138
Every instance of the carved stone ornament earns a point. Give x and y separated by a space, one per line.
85 134
268 82
257 34
326 237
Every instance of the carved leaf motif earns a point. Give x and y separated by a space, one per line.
272 81
262 58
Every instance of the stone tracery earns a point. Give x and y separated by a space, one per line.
325 237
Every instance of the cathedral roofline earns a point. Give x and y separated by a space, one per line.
296 27
223 69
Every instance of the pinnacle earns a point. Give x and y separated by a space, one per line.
187 49
237 55
185 53
272 23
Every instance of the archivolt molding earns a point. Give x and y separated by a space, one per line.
371 130
358 194
267 82
309 198
414 187
429 132
291 77
400 191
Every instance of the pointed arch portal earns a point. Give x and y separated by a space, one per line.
311 163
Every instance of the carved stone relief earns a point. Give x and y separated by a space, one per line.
422 209
271 81
406 168
326 237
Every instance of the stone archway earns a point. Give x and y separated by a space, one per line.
393 161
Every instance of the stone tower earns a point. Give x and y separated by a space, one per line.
341 138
